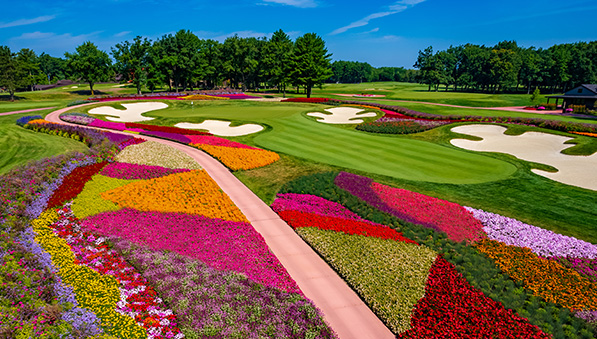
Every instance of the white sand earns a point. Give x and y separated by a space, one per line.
537 147
121 85
131 113
74 87
342 115
222 128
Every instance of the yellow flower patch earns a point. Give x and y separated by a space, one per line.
192 192
94 291
240 158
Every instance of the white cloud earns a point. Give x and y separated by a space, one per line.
23 22
295 3
121 34
376 29
34 36
397 7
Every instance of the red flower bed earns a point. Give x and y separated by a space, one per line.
452 308
73 184
166 129
302 219
309 100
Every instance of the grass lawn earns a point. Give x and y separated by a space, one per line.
295 134
20 145
60 96
418 92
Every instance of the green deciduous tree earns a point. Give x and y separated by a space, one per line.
310 62
132 61
89 64
11 73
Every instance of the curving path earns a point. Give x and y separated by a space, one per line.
26 110
342 308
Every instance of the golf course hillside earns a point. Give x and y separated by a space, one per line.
235 214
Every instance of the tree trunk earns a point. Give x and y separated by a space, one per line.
308 91
91 87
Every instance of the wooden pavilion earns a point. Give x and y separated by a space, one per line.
582 95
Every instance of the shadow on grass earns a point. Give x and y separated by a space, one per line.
88 92
6 97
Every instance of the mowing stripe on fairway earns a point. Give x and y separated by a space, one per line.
392 156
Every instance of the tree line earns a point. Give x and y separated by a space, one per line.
357 72
180 61
507 67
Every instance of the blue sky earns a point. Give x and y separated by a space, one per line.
382 33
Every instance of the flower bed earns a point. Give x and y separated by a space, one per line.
313 204
480 271
213 303
223 245
585 267
73 184
307 100
216 141
234 155
541 241
77 118
156 154
389 275
203 97
119 126
127 171
298 219
167 129
192 192
240 158
452 308
546 278
440 215
94 291
138 300
89 201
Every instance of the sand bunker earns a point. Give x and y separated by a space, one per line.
537 147
131 113
222 128
74 87
342 115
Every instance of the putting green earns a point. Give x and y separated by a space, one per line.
295 134
386 155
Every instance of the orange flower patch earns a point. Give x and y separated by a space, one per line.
240 158
41 121
190 192
586 134
546 278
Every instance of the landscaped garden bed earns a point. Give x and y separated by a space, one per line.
100 292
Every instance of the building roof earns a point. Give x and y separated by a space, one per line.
591 87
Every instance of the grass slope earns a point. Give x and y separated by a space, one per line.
19 145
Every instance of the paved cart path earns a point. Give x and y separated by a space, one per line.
343 310
26 110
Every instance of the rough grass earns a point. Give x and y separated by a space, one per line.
19 145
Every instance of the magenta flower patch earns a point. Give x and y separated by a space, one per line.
223 245
215 141
120 170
